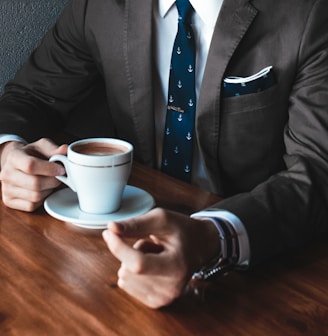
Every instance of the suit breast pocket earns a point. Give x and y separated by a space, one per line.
250 102
251 144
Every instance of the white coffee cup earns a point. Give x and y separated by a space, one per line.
97 169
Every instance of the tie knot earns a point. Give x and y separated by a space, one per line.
185 10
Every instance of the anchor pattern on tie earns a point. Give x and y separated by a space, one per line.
180 116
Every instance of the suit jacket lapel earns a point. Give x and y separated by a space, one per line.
138 61
234 19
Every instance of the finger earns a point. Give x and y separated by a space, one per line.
17 178
155 222
29 162
122 251
38 154
22 204
141 293
61 150
15 192
46 148
148 246
22 199
138 262
154 291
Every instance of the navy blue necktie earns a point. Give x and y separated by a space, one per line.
181 107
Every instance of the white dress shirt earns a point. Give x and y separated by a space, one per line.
203 23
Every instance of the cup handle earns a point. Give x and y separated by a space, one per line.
65 179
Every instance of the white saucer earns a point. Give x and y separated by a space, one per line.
63 205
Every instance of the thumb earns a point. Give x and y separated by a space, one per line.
44 148
61 150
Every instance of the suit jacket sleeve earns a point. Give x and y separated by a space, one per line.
288 209
55 79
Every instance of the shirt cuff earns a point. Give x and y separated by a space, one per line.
235 222
11 137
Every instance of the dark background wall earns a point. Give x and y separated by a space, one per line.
22 25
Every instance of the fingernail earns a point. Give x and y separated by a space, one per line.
61 171
105 235
115 226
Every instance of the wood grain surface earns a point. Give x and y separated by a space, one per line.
57 279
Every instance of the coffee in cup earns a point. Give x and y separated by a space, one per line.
99 148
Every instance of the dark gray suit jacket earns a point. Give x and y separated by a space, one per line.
266 153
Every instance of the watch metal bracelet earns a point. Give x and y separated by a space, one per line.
221 268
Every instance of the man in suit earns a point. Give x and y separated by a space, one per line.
265 152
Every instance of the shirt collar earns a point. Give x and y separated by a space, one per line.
208 12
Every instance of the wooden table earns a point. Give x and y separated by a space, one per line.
59 280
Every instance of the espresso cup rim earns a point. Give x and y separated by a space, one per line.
116 159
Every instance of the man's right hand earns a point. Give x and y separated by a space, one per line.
27 177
